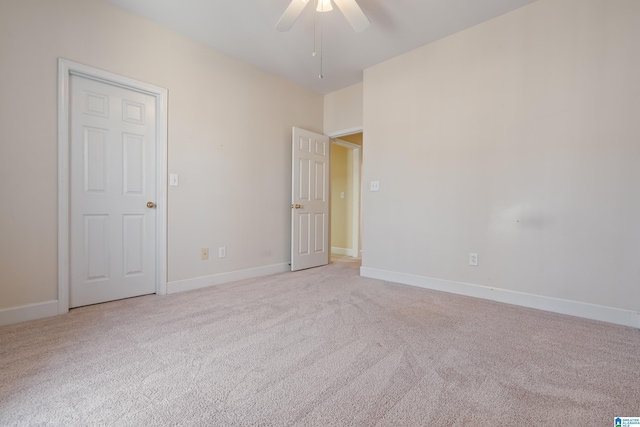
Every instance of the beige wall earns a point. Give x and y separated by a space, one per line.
343 109
518 139
341 208
229 139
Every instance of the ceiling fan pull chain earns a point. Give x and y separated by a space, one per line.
315 34
321 45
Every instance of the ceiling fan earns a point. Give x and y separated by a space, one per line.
349 9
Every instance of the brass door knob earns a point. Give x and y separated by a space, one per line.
151 205
297 206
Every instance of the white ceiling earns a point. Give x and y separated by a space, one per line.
244 29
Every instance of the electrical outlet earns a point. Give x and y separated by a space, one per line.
473 258
222 252
204 253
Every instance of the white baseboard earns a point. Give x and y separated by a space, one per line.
28 312
218 279
341 251
556 305
345 252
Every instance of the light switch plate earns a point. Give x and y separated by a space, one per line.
375 185
173 179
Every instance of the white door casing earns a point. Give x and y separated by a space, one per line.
335 135
311 153
112 161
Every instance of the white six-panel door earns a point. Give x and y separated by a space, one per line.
113 178
310 200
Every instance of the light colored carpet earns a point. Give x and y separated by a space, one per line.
321 347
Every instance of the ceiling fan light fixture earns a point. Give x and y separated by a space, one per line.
324 6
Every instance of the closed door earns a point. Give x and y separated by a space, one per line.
310 200
112 211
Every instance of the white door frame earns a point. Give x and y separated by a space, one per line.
354 251
345 132
67 68
338 134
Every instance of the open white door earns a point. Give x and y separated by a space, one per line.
310 200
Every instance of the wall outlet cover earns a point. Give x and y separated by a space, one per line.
473 258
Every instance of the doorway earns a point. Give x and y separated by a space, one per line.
112 146
346 196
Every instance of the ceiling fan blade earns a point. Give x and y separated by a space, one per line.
354 14
291 14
